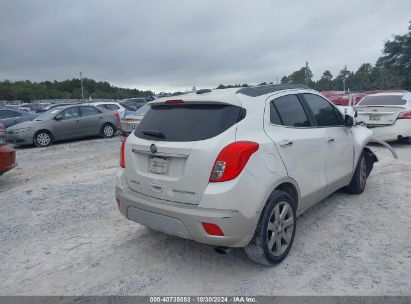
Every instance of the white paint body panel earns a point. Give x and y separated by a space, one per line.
314 166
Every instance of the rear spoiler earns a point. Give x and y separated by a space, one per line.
199 99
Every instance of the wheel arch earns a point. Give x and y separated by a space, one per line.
287 185
109 123
44 130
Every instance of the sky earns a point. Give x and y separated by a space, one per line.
171 45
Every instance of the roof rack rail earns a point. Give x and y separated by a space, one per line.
262 90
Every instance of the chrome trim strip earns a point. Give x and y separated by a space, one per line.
160 154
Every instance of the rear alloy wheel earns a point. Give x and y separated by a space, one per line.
275 232
43 139
359 180
107 131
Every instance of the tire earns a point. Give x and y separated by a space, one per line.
43 139
359 179
407 140
274 228
107 130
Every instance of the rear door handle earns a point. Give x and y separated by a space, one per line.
330 139
285 142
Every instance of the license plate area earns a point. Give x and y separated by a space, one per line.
375 117
158 165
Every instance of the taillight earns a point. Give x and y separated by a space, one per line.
405 115
212 229
174 101
117 116
122 156
3 138
232 160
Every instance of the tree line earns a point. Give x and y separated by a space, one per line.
67 89
391 71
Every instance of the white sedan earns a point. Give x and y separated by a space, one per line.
112 106
388 115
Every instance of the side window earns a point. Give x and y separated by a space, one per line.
8 114
324 113
111 107
87 111
71 113
291 111
274 117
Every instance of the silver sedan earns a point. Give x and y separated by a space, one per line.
66 122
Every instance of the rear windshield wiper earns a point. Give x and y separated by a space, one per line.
153 133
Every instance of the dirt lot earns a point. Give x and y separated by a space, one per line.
61 234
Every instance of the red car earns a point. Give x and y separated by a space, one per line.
7 153
341 98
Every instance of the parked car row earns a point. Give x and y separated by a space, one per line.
342 98
64 122
77 120
10 116
130 121
388 115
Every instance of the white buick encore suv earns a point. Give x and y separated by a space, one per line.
235 167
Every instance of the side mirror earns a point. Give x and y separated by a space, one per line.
58 117
348 121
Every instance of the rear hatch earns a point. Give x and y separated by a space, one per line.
172 152
380 110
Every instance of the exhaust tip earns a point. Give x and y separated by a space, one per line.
222 250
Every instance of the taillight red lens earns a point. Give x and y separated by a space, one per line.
117 116
232 160
122 156
405 115
212 229
174 101
3 138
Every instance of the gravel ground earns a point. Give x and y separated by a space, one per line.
61 234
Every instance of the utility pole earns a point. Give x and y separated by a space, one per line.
82 89
306 73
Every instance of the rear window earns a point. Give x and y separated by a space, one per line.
383 100
187 122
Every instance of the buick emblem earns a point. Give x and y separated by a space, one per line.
153 148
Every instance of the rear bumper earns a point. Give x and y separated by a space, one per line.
401 128
128 127
184 220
